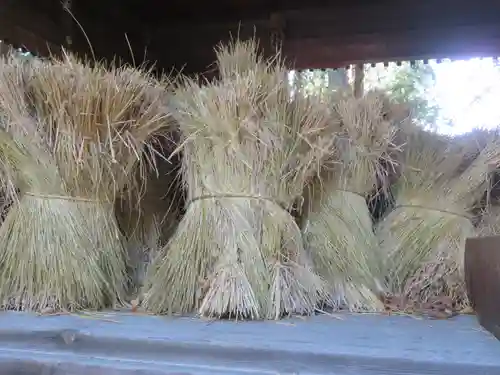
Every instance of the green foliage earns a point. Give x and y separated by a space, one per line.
407 83
312 82
413 84
318 82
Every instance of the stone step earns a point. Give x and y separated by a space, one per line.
345 344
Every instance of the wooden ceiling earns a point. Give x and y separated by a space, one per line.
180 34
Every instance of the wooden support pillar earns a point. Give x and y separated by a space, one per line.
359 80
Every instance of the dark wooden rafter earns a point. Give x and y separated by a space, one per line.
327 36
334 52
398 31
46 27
336 37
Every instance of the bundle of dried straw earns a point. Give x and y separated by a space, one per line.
338 228
248 149
73 136
424 236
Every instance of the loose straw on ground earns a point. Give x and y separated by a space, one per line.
73 136
338 229
247 150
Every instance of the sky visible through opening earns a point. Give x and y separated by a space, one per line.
468 93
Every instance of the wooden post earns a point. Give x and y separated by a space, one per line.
359 78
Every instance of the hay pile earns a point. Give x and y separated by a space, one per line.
262 208
72 136
423 237
248 150
338 228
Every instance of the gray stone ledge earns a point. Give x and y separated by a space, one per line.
348 345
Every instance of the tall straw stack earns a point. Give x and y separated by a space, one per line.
248 149
73 136
338 230
424 236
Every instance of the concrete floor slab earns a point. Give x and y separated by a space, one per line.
346 344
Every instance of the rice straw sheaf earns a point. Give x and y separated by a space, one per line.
338 230
248 149
473 143
73 136
424 236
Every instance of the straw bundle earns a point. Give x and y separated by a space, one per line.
424 236
338 229
473 143
73 135
247 151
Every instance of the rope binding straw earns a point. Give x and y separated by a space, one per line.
65 198
468 217
276 202
237 196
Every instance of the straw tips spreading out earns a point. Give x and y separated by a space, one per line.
243 197
71 136
248 150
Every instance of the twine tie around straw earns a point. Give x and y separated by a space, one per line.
432 209
66 198
237 196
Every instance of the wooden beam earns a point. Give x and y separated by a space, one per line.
312 38
457 43
335 37
360 18
390 17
